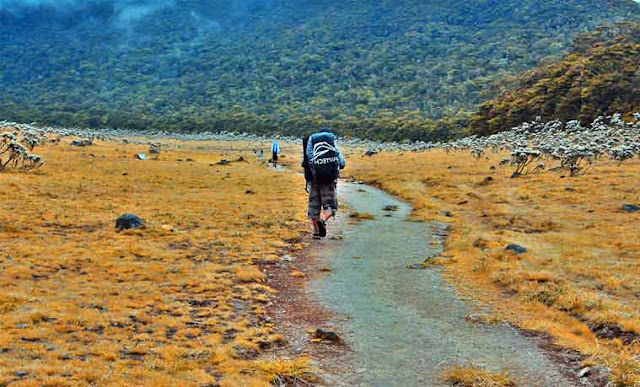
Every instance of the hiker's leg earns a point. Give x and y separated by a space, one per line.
314 207
329 198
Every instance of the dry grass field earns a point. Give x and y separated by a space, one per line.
178 303
579 280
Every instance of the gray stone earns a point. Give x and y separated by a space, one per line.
630 208
129 222
516 248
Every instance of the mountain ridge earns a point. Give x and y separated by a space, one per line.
379 70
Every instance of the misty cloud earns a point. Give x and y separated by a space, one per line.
125 11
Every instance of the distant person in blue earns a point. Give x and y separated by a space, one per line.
275 151
322 162
261 155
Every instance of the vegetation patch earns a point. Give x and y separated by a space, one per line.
471 376
181 302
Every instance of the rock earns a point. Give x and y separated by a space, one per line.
630 208
370 153
141 156
448 214
516 248
249 192
242 160
81 143
223 162
416 266
569 189
154 151
20 374
326 335
390 207
191 160
598 376
129 222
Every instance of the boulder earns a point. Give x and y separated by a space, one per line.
516 248
370 153
154 151
81 143
129 222
141 156
630 208
326 335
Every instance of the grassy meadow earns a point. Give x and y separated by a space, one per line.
181 302
579 280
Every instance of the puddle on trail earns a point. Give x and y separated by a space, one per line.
406 326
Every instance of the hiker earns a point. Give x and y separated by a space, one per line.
261 155
322 162
275 150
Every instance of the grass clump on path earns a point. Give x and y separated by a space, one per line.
470 376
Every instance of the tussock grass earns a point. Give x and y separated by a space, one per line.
470 376
580 269
179 303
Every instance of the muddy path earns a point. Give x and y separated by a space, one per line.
404 327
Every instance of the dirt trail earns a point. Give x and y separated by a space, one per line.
405 326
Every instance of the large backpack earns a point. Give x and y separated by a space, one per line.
308 175
324 161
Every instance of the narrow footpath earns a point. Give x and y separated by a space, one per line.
403 326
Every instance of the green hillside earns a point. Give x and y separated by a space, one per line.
600 77
377 69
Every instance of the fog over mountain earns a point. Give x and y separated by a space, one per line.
383 69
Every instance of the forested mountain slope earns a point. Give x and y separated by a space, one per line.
378 69
600 77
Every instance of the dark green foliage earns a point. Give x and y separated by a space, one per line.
600 77
407 69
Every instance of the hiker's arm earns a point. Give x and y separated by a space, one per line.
341 160
310 151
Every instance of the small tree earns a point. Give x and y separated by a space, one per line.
15 155
522 158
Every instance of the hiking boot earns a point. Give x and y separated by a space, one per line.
322 228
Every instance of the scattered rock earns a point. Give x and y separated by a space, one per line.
416 266
569 189
516 248
463 202
288 258
249 192
446 213
326 335
223 162
486 181
370 153
81 143
599 376
20 374
390 207
21 326
129 222
242 160
154 151
191 160
141 156
630 208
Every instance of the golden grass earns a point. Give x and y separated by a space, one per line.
469 376
581 268
179 303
